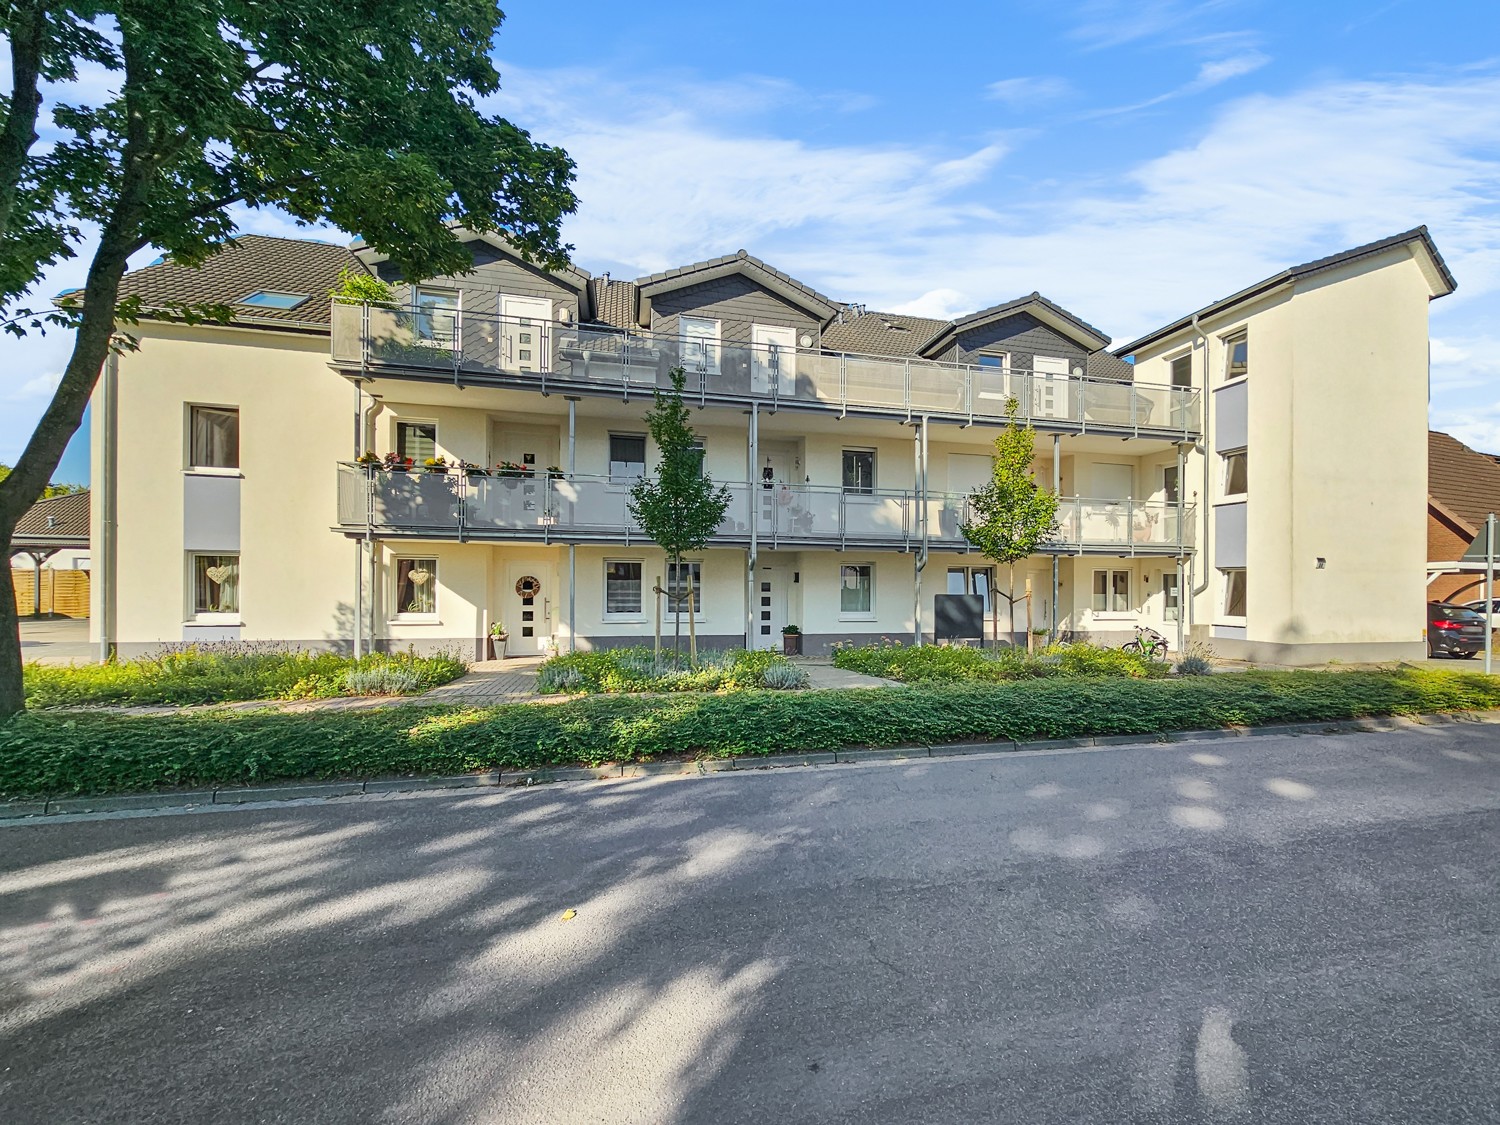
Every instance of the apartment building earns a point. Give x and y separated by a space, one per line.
239 497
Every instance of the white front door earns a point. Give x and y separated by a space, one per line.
529 600
773 360
1049 387
532 447
699 340
770 607
524 326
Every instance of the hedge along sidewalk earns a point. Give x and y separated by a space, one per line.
52 755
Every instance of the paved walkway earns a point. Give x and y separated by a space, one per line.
490 681
825 677
57 640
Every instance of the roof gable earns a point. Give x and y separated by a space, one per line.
1440 279
1054 316
569 276
747 265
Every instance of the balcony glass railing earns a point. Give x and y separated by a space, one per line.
496 506
608 360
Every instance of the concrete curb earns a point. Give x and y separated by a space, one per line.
240 795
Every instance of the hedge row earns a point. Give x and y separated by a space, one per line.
57 754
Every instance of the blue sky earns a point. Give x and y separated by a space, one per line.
1131 159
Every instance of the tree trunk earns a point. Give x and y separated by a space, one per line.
1028 616
25 29
1010 598
118 239
676 572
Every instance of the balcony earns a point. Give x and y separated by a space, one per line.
578 509
533 354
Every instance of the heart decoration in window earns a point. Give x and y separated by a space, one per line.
419 576
217 574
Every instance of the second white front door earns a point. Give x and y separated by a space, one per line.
528 599
524 326
770 606
773 362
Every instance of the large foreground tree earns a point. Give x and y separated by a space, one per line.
363 114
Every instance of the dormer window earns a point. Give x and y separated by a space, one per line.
271 299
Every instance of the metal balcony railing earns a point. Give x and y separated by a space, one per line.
542 507
560 357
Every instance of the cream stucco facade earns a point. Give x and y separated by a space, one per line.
845 509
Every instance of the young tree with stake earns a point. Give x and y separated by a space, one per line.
1012 517
362 114
681 507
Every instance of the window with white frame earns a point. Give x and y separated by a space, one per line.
416 440
700 343
627 457
215 584
622 587
857 589
859 471
1171 484
1236 473
1111 591
677 587
416 587
1237 357
1171 596
972 580
435 317
1181 368
1234 592
213 437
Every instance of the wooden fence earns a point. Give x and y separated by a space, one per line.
63 591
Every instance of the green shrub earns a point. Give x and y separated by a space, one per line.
952 664
54 754
222 673
1194 666
638 669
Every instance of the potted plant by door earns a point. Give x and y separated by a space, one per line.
791 640
498 637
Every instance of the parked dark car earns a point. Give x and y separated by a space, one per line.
1454 630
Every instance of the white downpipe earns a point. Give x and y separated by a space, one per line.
920 452
1204 506
752 556
572 591
1056 491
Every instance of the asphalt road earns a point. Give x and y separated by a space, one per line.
1267 930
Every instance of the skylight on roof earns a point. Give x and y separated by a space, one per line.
266 299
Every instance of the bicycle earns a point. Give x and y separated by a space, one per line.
1148 643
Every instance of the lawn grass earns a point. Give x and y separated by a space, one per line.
44 754
230 672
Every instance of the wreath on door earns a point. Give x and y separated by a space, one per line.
528 587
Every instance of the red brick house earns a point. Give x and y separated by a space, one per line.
1463 487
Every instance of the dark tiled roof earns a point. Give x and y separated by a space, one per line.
654 281
1104 365
877 333
1463 480
252 262
1021 304
60 518
1305 270
615 302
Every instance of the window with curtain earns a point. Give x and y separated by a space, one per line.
1182 370
416 586
216 583
677 578
214 437
417 440
857 588
622 586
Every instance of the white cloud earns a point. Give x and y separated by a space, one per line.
1112 23
1210 74
1019 93
940 304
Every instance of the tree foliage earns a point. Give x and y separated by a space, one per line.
680 508
1012 516
367 115
53 489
